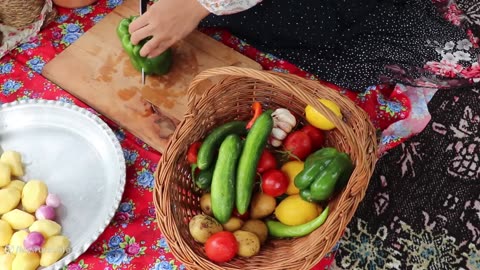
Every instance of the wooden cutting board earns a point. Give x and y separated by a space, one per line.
96 70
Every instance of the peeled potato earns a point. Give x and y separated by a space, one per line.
16 242
2 250
18 219
26 261
18 184
14 160
6 233
53 249
46 227
34 195
6 261
5 174
9 199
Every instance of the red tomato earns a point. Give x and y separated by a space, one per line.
244 217
274 182
298 144
221 247
317 137
193 152
267 161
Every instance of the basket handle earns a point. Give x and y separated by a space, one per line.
270 78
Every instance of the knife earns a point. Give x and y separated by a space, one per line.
143 9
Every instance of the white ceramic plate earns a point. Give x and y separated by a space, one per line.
79 158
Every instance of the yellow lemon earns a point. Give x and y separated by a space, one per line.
293 210
291 169
317 119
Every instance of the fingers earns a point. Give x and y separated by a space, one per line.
159 50
140 34
138 23
154 47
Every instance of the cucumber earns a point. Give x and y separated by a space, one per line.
223 179
247 165
205 156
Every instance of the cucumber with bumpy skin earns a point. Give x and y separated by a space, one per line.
206 153
255 142
223 180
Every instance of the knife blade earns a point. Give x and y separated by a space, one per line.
143 9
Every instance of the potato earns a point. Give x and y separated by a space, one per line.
14 160
16 242
18 219
26 261
2 250
5 174
202 227
6 261
248 243
18 184
262 205
206 204
53 249
6 233
34 194
9 199
233 224
46 227
258 227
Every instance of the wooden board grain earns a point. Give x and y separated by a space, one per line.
96 70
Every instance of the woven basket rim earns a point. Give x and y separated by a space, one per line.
352 198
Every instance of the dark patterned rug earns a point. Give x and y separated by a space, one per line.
422 208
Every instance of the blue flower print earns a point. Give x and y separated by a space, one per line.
116 256
120 133
27 46
163 265
114 3
162 243
130 156
145 178
125 207
391 107
72 28
10 86
70 38
66 100
62 19
6 68
36 63
115 241
83 11
98 18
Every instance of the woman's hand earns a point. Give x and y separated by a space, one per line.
166 21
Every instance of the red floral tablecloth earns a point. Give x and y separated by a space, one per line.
133 240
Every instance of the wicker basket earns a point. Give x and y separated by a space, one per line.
230 98
20 13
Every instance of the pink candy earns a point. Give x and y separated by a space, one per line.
45 212
34 241
53 200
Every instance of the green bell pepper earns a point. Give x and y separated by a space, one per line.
325 172
159 65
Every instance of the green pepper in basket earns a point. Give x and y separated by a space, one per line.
326 171
159 65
